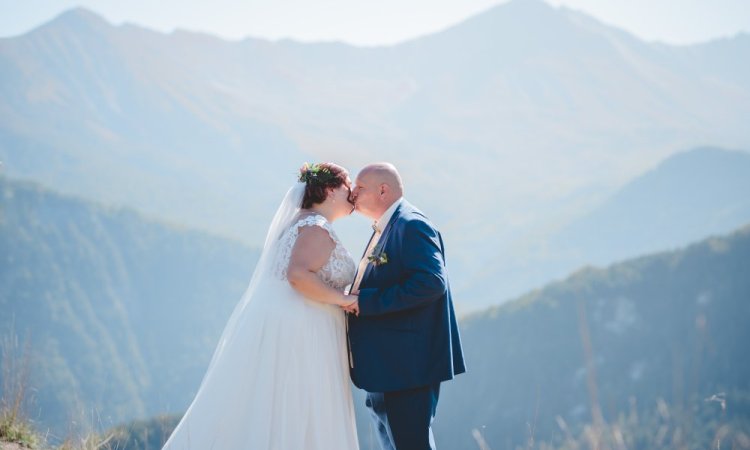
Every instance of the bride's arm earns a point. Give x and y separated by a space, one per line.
309 254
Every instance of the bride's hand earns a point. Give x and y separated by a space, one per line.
347 300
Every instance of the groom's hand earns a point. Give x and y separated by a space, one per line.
353 308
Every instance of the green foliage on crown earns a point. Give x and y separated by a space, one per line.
315 173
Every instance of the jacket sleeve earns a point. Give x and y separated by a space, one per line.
424 280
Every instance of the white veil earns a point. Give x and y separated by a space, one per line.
282 220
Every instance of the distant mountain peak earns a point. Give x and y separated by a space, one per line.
502 22
516 9
700 158
78 18
81 14
527 21
530 5
526 4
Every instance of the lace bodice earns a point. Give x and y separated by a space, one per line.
338 272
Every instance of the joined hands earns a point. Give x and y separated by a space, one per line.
351 304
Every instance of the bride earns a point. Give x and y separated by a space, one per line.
279 376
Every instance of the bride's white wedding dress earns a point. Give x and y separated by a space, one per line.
279 378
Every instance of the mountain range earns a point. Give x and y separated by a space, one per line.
661 329
119 313
646 353
687 197
507 127
122 314
575 171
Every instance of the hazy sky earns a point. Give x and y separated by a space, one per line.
378 22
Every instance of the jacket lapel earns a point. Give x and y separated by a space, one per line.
383 240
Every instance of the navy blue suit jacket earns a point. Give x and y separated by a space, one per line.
406 334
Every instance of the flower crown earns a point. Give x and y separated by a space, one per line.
310 173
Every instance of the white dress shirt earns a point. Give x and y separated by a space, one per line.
378 226
381 223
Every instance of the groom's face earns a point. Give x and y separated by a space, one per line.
366 196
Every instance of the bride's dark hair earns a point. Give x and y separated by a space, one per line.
318 179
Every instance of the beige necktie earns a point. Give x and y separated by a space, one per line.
364 261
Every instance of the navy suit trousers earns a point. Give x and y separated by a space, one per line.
403 419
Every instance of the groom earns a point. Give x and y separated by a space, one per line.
403 335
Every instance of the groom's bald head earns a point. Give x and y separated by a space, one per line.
378 186
385 173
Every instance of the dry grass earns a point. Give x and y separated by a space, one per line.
89 442
16 430
16 368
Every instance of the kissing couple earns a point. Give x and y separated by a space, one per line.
279 377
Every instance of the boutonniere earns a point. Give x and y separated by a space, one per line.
378 260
